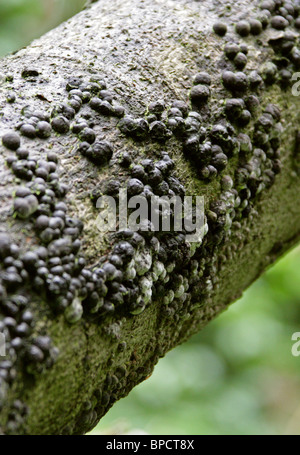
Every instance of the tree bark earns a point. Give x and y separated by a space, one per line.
145 51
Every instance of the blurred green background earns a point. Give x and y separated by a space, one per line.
238 375
23 20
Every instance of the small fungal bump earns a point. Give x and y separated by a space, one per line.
243 28
11 140
279 22
256 27
202 78
231 50
43 129
199 94
220 28
240 61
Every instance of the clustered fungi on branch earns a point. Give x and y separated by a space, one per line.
144 266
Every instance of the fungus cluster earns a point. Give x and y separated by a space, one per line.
236 148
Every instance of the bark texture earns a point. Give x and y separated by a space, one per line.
145 51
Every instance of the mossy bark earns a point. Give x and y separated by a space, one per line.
145 51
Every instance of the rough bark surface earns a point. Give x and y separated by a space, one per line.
145 51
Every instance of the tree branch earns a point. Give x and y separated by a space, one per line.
86 316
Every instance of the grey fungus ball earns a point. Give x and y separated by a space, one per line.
228 78
234 108
240 61
159 131
231 50
11 140
279 22
43 129
264 17
28 130
199 94
134 187
157 107
60 124
202 78
273 110
87 135
100 152
34 354
182 106
269 5
256 27
252 103
25 207
243 28
297 23
220 28
244 118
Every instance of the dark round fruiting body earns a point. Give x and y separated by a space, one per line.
199 94
100 152
231 50
28 130
60 124
234 108
134 187
269 73
255 27
43 129
11 140
202 78
269 5
220 28
87 135
157 107
240 61
243 28
279 22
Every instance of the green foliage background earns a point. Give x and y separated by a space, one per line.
238 375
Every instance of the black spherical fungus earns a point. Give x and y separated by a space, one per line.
231 49
220 28
28 130
158 131
240 61
11 140
243 28
100 152
87 135
199 94
234 108
279 22
43 129
134 187
202 78
256 27
60 124
157 107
